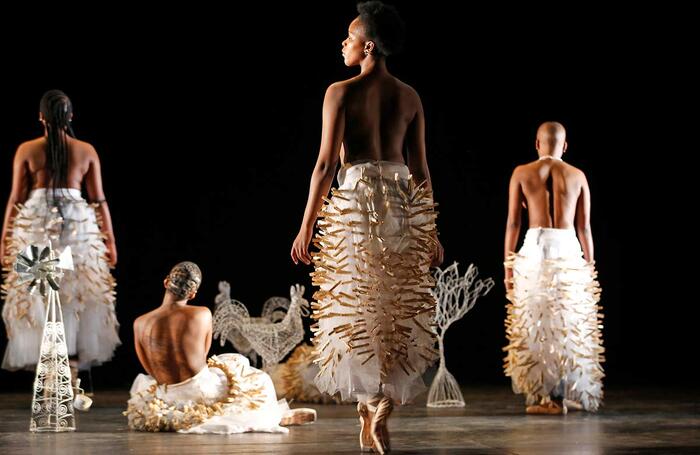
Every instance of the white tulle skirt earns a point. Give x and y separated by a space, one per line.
374 310
553 323
87 292
294 378
229 396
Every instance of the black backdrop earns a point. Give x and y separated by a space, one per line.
208 125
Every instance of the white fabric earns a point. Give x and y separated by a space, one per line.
87 295
210 386
555 342
373 274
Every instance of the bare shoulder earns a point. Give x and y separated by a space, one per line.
139 322
575 172
521 170
335 94
406 88
144 317
407 92
32 143
199 318
30 147
201 313
85 148
340 88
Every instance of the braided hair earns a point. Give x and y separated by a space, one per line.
184 279
57 110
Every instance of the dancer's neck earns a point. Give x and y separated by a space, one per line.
550 157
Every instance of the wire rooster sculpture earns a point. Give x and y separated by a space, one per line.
272 335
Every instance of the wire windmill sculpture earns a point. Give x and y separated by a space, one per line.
455 296
52 402
272 335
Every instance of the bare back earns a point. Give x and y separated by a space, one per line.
551 190
379 112
81 158
172 342
374 117
29 171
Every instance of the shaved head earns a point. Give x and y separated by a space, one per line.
551 138
551 132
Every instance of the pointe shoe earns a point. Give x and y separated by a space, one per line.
573 405
298 416
379 429
366 443
81 402
548 408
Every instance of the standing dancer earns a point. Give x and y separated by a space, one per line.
46 205
555 345
377 234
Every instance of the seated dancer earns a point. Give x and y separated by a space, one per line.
555 346
184 391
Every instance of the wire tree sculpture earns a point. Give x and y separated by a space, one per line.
455 296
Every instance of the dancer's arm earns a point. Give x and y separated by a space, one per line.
583 221
209 328
418 163
93 183
515 200
138 334
196 337
415 145
322 176
18 194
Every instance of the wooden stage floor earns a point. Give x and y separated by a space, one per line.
640 420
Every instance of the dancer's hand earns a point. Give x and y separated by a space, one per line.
3 260
111 252
300 247
508 281
438 254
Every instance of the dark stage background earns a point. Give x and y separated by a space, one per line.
208 125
